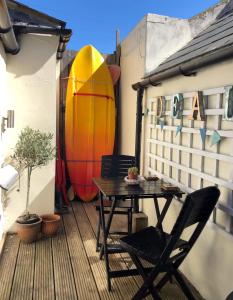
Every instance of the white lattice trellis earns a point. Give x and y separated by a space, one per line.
171 168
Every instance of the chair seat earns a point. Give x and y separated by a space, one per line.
148 243
108 204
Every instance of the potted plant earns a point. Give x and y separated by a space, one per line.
33 149
133 173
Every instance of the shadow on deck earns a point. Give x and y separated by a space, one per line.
67 266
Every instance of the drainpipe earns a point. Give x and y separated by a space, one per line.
64 39
6 30
140 93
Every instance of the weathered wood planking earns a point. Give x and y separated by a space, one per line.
22 287
7 265
116 226
122 288
65 66
63 273
84 280
171 291
67 266
97 266
43 278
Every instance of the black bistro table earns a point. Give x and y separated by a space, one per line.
117 189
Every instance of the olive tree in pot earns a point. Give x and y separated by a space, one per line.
33 150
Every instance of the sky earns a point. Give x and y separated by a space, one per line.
95 22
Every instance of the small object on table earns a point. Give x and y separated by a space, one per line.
134 181
133 173
169 187
152 178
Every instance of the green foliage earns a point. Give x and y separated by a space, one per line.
34 148
133 171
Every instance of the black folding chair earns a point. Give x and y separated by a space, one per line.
116 166
166 251
230 296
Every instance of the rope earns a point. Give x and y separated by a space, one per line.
95 95
87 81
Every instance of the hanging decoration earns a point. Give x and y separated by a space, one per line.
203 134
146 112
197 108
228 100
161 123
178 129
215 138
177 106
160 107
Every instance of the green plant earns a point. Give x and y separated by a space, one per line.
133 171
33 149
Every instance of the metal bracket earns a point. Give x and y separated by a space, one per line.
187 74
8 122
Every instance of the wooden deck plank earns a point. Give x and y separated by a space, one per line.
84 280
22 287
119 223
43 278
122 288
67 266
7 265
97 266
63 273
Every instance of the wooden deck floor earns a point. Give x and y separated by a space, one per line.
66 266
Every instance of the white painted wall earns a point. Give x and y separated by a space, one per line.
132 69
152 40
31 93
2 113
166 35
209 265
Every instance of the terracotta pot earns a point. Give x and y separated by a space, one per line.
28 233
50 224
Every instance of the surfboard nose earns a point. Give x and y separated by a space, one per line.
90 51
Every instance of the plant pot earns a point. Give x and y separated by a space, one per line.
28 233
50 224
132 176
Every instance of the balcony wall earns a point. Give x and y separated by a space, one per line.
31 93
209 265
149 43
2 114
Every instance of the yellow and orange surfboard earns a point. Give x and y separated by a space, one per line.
89 120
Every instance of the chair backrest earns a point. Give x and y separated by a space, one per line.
116 165
196 209
230 296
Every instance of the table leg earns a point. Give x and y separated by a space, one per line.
161 215
158 215
136 205
109 221
104 245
